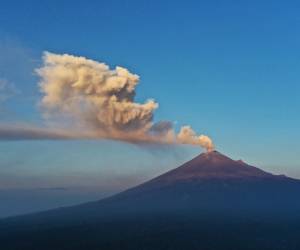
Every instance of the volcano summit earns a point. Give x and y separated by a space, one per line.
213 165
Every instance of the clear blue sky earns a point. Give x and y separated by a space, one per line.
228 68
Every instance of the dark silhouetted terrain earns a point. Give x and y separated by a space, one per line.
210 202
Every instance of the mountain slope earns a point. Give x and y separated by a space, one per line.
208 170
211 165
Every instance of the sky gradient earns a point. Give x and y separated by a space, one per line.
229 69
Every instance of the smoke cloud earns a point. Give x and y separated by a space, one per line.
187 135
98 102
93 95
26 132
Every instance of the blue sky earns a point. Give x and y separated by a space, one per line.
228 68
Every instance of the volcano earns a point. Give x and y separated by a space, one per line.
211 165
210 202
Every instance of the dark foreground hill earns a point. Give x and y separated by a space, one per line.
210 202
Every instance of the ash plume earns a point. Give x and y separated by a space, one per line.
187 135
98 102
